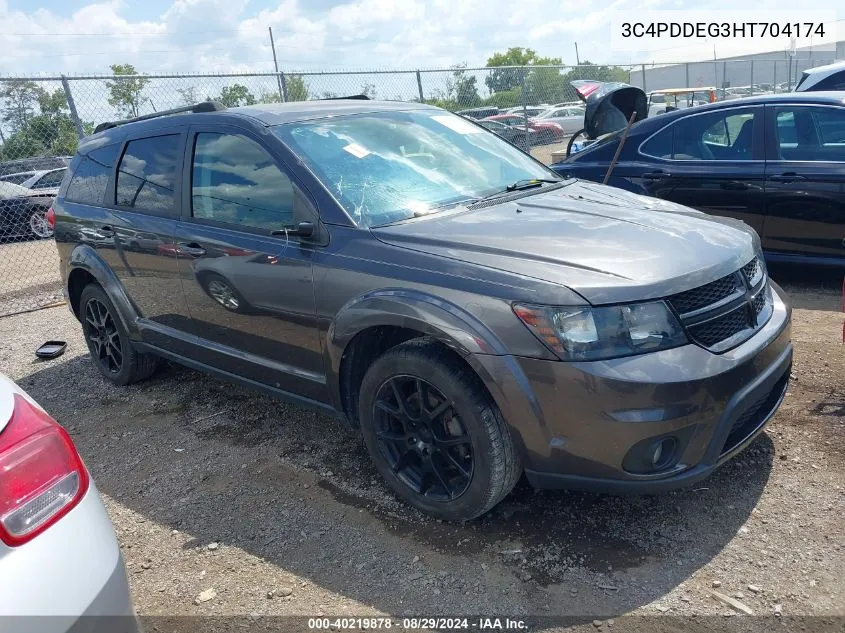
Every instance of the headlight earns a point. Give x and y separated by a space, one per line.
586 333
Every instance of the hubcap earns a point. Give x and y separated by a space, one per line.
422 438
39 225
223 294
103 336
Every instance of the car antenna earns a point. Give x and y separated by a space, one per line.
619 148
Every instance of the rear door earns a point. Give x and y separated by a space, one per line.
711 161
143 195
249 291
805 180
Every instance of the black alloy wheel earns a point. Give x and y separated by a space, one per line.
103 336
422 438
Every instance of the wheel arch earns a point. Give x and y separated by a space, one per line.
85 266
371 324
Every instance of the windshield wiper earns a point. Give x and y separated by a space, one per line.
519 185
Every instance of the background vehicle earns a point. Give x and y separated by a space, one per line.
821 78
52 525
547 132
569 118
473 314
661 101
478 113
43 181
777 162
531 111
23 213
33 164
511 134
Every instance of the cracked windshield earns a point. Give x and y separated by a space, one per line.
389 167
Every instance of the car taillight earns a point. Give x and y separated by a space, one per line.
42 476
51 218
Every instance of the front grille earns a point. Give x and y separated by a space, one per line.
705 295
722 313
756 413
714 332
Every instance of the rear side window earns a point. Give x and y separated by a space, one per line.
89 182
146 177
659 145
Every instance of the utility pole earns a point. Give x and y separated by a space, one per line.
276 64
577 58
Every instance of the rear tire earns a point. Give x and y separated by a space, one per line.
452 457
107 340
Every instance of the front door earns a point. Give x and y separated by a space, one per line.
712 162
248 285
805 181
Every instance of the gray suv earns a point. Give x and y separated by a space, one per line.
475 315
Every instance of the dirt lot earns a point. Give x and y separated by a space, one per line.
278 511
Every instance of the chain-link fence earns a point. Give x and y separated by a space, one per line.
43 118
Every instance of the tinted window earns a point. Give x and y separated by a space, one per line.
89 182
146 176
50 180
659 145
235 181
721 135
810 133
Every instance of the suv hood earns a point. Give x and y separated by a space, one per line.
606 244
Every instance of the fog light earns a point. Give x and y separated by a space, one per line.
662 453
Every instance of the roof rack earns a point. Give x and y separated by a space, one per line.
361 97
204 106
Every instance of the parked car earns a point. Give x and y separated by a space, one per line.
23 213
776 162
59 558
44 181
511 134
547 132
828 77
569 118
475 315
33 164
478 113
531 111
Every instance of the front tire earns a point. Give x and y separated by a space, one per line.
435 434
109 344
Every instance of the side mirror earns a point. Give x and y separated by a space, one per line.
303 229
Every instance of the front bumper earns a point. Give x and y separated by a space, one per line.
578 423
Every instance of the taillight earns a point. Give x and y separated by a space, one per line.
585 88
51 218
42 476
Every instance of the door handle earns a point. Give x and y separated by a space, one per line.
191 248
655 175
789 176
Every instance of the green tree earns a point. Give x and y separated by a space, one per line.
297 88
368 90
463 88
21 99
328 94
235 95
126 95
505 79
271 96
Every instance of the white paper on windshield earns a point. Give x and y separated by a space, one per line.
357 150
457 124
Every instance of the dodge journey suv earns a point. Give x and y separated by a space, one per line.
473 314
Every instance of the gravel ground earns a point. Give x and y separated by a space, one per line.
273 509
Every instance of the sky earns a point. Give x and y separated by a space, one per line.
40 37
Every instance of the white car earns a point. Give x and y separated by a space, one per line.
829 77
58 553
44 181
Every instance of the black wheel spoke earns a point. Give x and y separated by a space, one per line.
430 453
456 463
103 336
449 442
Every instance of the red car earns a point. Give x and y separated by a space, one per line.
547 132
